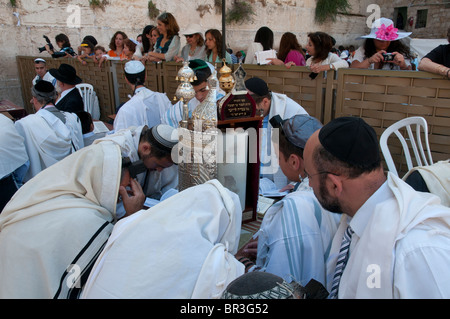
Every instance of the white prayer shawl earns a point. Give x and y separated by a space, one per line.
12 149
286 108
181 248
154 183
437 178
48 140
47 77
144 108
372 270
62 217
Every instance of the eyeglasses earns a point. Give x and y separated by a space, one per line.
188 36
319 173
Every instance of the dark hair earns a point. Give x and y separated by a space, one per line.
171 24
99 47
219 45
89 44
156 151
264 36
112 44
86 121
322 45
145 40
289 42
327 162
202 76
286 147
394 46
91 39
64 39
136 79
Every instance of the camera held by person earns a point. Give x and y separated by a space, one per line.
50 45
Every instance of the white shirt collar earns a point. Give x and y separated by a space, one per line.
360 220
64 93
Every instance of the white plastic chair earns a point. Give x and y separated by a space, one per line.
89 97
422 158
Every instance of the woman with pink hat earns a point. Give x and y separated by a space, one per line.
382 48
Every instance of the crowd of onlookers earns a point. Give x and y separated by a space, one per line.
381 49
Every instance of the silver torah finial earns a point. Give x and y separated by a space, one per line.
205 114
185 91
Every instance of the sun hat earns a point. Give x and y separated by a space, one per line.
66 74
383 29
193 29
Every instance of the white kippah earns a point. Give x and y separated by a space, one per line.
134 67
166 135
38 60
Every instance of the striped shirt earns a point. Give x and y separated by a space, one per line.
295 237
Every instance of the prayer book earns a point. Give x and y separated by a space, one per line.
100 127
267 188
262 56
150 202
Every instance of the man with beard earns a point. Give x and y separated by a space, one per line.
392 242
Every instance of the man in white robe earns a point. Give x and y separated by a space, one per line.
14 161
56 225
145 107
295 236
153 146
268 105
40 66
400 238
181 248
50 134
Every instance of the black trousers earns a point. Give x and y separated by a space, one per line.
8 188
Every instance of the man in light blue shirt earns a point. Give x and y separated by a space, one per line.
296 233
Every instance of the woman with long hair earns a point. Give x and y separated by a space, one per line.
62 41
383 49
321 58
146 39
263 42
214 48
116 45
290 52
168 44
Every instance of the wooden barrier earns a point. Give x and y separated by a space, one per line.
385 97
380 97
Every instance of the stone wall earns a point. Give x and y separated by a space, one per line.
438 20
22 35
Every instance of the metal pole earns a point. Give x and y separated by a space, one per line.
224 40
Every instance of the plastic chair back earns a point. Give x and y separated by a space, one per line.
421 150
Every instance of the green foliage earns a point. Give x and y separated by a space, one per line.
240 12
101 4
153 11
326 9
13 3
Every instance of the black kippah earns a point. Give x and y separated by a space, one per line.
44 87
351 140
257 86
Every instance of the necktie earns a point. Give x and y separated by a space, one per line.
341 262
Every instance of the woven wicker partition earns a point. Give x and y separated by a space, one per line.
153 78
100 78
384 97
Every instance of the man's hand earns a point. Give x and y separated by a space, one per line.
133 200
